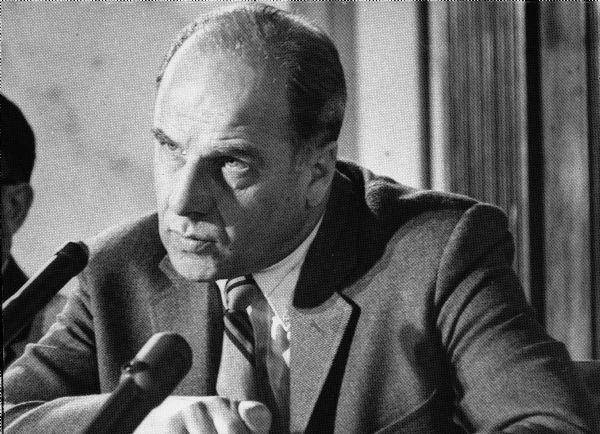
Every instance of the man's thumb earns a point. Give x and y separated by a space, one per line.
256 416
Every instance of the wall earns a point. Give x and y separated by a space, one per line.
389 129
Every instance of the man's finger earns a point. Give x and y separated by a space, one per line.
256 416
214 415
197 419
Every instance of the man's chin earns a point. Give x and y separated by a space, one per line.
195 269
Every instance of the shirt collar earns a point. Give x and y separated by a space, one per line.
278 281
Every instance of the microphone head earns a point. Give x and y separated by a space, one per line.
77 253
160 364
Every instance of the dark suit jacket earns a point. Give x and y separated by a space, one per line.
406 318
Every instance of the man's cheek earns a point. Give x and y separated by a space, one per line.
163 191
243 209
246 197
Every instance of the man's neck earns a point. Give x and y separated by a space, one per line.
278 281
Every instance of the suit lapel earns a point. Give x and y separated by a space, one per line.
194 310
320 315
316 336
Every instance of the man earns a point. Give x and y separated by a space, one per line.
18 155
374 308
17 158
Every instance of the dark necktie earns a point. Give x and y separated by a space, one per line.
237 377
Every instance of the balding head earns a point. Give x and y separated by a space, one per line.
267 37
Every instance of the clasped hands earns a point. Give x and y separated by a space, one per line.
206 415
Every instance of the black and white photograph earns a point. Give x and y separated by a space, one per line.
289 217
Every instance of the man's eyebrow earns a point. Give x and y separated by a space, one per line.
233 149
162 137
240 149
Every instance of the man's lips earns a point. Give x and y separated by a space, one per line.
191 243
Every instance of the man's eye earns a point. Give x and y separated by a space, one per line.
235 165
173 147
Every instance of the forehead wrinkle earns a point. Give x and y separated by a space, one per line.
214 96
246 122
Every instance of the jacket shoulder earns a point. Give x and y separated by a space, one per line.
393 204
131 242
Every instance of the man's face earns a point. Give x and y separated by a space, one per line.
231 195
15 203
6 231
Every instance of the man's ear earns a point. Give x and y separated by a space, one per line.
19 199
322 169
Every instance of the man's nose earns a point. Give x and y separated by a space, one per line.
192 191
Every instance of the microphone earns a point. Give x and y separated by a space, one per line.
145 382
18 311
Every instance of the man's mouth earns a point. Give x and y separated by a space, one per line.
191 243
